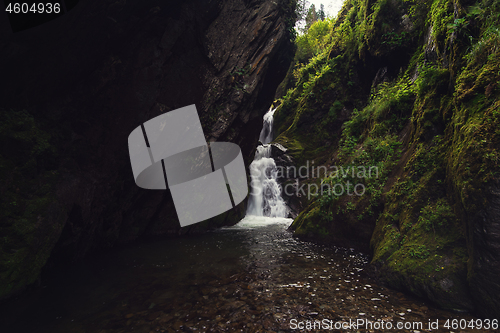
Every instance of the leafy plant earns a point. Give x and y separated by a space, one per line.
436 216
393 39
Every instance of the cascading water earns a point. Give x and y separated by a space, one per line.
265 196
266 134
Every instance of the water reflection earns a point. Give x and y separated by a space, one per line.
253 277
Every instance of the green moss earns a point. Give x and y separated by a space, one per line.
432 131
473 157
25 162
441 16
419 240
300 225
435 216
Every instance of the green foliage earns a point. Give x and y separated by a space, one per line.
332 51
432 131
311 17
489 42
436 215
242 71
425 158
314 41
321 12
293 11
441 17
393 39
432 78
369 140
387 111
418 251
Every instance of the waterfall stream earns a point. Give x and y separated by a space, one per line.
265 196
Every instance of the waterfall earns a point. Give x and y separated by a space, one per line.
266 134
265 195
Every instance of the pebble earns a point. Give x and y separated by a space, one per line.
263 292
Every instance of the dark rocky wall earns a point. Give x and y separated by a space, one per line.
86 80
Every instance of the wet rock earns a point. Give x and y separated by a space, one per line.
286 178
485 248
154 315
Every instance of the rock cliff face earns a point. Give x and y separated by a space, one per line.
410 90
74 88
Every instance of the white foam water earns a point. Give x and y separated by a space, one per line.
265 195
266 134
253 222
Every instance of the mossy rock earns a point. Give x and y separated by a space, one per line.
31 218
431 124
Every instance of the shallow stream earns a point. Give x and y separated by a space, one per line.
252 277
